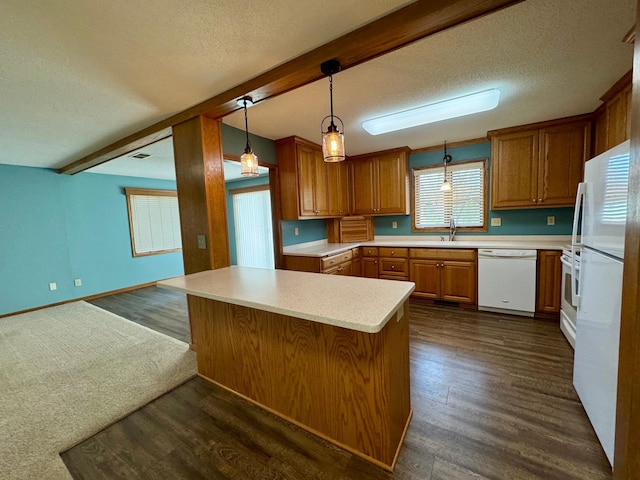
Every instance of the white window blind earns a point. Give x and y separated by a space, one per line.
465 202
154 221
254 233
614 210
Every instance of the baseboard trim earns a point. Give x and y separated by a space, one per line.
89 297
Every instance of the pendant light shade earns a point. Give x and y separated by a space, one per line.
333 137
446 184
248 160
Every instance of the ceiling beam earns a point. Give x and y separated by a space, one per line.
386 34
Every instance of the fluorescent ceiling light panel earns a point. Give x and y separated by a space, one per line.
436 112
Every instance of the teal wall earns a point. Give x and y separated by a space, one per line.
55 228
308 231
514 222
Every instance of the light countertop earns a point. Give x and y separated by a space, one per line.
538 242
361 304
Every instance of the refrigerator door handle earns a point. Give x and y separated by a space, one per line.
575 245
582 187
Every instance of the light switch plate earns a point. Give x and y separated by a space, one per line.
551 220
394 224
295 231
202 242
77 282
496 222
53 286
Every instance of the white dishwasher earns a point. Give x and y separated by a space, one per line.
507 281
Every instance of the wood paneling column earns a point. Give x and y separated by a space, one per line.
627 446
197 147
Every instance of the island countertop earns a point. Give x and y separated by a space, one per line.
360 304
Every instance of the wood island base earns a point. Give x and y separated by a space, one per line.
346 386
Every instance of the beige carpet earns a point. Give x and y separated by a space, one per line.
67 372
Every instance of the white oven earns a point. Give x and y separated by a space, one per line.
568 311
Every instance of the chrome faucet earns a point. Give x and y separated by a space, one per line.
452 228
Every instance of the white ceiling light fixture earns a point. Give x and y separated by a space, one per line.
435 112
248 160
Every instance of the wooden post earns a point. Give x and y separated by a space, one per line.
627 445
197 147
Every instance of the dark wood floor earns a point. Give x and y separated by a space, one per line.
492 398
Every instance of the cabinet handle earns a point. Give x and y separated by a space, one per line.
540 200
392 253
393 267
533 200
375 262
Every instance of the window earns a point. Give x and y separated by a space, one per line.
253 226
466 201
614 210
154 221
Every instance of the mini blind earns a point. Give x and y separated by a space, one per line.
614 210
253 228
465 202
154 221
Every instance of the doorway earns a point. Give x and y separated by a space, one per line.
253 226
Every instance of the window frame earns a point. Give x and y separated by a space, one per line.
146 192
485 213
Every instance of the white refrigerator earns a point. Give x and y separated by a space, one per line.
598 287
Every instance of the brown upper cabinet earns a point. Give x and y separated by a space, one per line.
381 183
612 120
305 180
539 165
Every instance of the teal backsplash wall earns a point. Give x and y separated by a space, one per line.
514 222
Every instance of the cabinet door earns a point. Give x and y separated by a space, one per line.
364 192
320 188
514 170
563 151
338 188
600 133
392 183
617 119
370 267
458 282
356 267
426 275
306 158
549 281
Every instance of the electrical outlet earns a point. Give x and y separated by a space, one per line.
77 282
551 220
394 224
296 231
496 222
202 242
53 286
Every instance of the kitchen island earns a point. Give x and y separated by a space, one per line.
327 353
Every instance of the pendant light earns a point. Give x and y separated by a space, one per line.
248 160
446 184
333 138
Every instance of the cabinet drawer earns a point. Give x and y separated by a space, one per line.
334 260
344 268
370 251
393 266
443 254
404 278
393 252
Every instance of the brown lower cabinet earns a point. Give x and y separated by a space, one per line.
345 263
549 281
369 262
444 274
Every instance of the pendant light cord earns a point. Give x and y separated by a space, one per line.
247 149
331 98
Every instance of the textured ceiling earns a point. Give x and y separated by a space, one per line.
86 73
